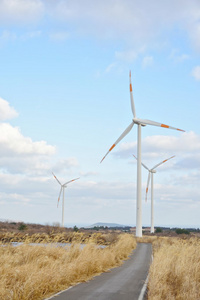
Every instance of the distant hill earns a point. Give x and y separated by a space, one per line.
106 225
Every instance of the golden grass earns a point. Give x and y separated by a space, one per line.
175 271
55 237
35 272
146 239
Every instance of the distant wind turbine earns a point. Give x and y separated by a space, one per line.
150 177
139 123
62 189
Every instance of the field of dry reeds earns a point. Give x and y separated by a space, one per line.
175 271
35 272
61 237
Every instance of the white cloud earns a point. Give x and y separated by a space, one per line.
182 57
193 26
13 142
6 36
107 190
22 155
110 67
129 55
63 165
186 147
88 174
6 111
31 34
137 22
186 142
177 57
59 36
110 18
147 61
20 11
35 165
196 73
18 153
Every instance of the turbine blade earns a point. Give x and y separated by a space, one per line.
149 122
131 96
128 129
162 162
142 163
148 180
59 195
70 181
56 178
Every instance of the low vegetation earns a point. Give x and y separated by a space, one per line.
182 231
175 271
63 237
158 230
35 272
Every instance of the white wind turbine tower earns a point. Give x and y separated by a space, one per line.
150 177
139 123
62 189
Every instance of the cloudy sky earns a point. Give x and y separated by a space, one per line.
64 100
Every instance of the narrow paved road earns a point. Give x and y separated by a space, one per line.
122 283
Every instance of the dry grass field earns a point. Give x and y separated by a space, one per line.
61 237
35 272
175 271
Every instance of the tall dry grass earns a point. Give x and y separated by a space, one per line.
59 237
35 272
175 271
146 239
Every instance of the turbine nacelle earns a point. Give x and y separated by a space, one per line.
138 122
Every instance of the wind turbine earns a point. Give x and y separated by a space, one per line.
139 123
150 177
62 189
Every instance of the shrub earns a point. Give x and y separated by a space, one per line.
22 226
75 228
158 229
182 231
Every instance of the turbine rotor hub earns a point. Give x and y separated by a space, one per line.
138 122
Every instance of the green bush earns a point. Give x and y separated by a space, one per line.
158 229
22 226
182 231
75 228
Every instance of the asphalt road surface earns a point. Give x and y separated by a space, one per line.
121 283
